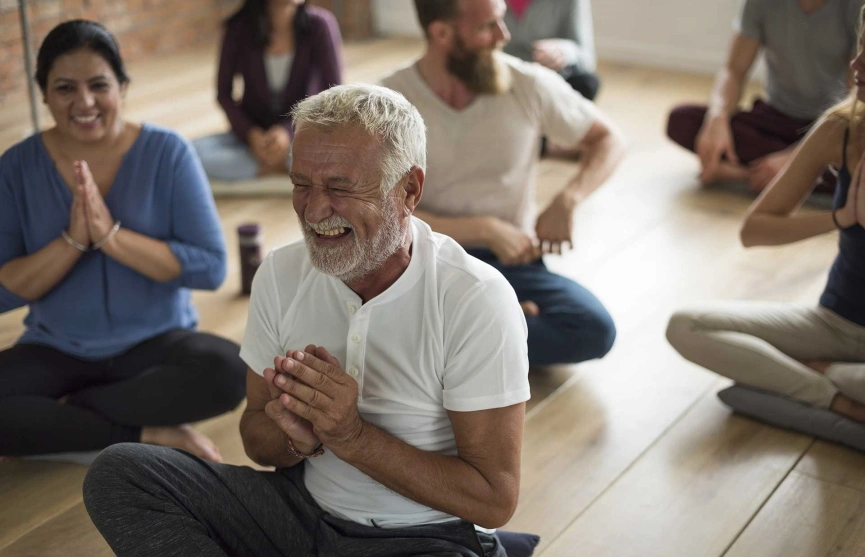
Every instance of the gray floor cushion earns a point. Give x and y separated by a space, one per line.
84 458
789 414
269 186
518 544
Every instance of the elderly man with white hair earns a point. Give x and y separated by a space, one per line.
387 376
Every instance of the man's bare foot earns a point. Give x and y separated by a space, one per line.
848 377
182 437
723 172
817 365
849 408
530 308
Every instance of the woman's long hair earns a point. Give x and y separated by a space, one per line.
254 12
850 109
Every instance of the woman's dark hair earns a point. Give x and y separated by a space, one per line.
74 35
254 12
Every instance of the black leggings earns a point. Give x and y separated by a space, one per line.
175 378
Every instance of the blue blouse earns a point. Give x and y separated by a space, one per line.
102 308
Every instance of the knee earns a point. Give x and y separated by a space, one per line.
587 85
680 330
591 337
219 362
107 474
684 124
603 335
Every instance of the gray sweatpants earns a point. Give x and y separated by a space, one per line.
154 501
763 345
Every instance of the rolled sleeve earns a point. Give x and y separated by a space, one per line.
229 65
580 37
11 241
261 340
749 22
197 239
486 350
565 115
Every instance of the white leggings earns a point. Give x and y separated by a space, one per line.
763 345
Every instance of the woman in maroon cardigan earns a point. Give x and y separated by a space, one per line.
285 51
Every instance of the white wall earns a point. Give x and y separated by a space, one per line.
688 35
677 34
395 18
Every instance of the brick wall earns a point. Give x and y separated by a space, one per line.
143 27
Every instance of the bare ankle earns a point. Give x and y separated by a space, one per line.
848 408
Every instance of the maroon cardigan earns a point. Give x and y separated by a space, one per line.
317 65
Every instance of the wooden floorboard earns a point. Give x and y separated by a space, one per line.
834 464
691 493
69 533
806 517
628 455
34 492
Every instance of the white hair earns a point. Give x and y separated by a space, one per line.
381 112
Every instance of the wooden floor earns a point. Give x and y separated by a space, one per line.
632 455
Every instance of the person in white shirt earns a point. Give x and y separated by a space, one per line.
388 374
486 112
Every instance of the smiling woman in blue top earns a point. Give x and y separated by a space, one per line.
105 226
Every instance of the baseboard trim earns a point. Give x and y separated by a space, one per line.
701 61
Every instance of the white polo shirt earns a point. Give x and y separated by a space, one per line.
449 334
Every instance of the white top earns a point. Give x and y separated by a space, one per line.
483 160
449 334
277 67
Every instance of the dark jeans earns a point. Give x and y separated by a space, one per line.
157 502
585 83
758 132
175 378
573 325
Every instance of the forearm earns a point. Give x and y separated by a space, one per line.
764 229
724 100
32 276
467 231
598 161
152 258
446 483
264 442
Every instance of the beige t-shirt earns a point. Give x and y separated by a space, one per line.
483 160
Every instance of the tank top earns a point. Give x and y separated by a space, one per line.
845 290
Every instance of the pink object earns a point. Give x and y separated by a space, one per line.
519 6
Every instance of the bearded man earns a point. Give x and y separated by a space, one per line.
486 113
387 376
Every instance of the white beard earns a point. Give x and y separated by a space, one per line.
351 261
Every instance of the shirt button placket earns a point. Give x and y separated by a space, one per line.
355 352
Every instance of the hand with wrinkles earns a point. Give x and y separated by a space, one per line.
299 429
315 388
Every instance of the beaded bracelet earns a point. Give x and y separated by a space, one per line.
317 452
71 241
107 237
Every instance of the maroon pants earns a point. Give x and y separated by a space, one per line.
756 133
